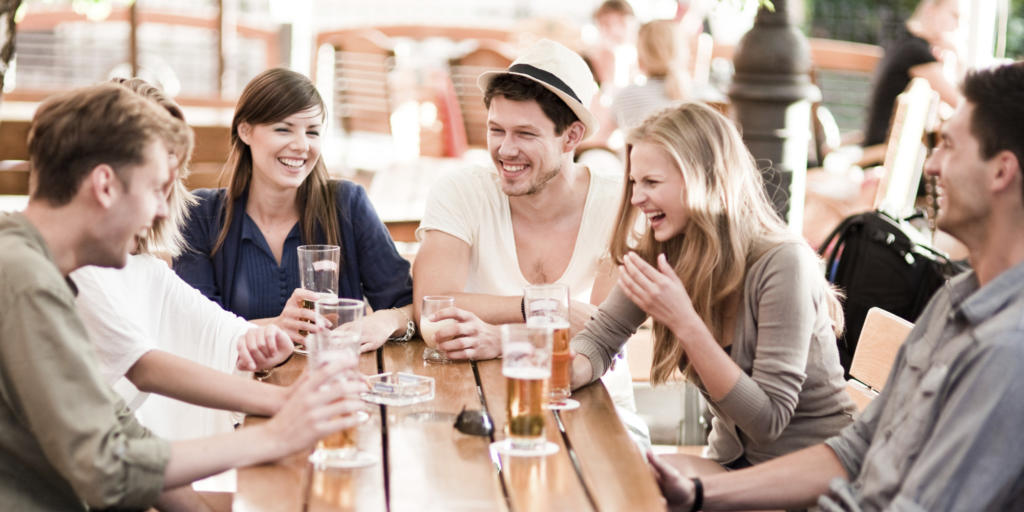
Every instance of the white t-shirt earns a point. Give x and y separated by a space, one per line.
470 205
146 306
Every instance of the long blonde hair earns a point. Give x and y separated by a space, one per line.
730 223
662 53
166 231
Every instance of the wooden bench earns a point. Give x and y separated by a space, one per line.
212 145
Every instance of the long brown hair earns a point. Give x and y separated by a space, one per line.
730 223
271 97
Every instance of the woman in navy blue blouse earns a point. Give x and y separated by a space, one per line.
242 239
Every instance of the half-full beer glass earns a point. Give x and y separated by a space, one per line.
318 272
548 305
428 328
526 365
338 340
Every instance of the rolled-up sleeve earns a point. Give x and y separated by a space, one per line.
55 390
611 327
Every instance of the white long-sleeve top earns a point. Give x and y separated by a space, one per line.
146 306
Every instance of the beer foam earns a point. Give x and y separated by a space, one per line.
325 265
546 321
526 373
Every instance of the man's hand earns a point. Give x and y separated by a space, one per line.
263 347
325 400
469 338
579 315
677 490
582 370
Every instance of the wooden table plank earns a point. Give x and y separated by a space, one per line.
292 484
432 466
607 454
534 483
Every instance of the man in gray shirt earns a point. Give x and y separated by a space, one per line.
944 434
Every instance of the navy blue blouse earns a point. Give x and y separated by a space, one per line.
243 277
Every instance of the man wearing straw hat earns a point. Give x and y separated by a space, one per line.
535 217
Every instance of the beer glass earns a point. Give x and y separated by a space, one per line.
526 365
428 329
318 272
338 339
548 305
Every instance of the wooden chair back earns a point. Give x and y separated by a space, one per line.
464 70
212 146
916 113
363 62
879 341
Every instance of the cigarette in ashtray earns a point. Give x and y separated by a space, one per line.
324 265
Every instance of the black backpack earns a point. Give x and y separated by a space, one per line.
871 258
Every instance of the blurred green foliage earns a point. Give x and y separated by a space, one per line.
870 21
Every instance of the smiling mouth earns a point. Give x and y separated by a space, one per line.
295 163
513 168
655 217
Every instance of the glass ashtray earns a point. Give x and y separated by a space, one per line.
398 388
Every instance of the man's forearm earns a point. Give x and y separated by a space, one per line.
194 459
493 309
791 481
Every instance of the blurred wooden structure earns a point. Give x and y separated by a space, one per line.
465 69
879 341
49 20
211 150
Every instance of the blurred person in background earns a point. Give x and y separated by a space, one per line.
921 48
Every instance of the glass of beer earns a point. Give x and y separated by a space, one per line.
318 272
339 340
526 365
548 305
428 328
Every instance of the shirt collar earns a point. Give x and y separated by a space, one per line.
978 304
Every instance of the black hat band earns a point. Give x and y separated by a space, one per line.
544 76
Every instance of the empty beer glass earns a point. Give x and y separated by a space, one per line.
338 339
318 272
428 328
548 305
526 365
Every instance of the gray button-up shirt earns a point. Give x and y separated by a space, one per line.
945 434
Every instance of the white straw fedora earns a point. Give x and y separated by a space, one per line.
558 69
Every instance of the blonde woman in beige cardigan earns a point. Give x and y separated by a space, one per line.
740 305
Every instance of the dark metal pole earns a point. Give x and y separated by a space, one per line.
133 37
771 96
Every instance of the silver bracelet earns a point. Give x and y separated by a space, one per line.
410 328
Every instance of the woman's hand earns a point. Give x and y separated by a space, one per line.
295 318
657 291
376 328
262 348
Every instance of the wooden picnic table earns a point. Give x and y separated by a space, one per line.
426 464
